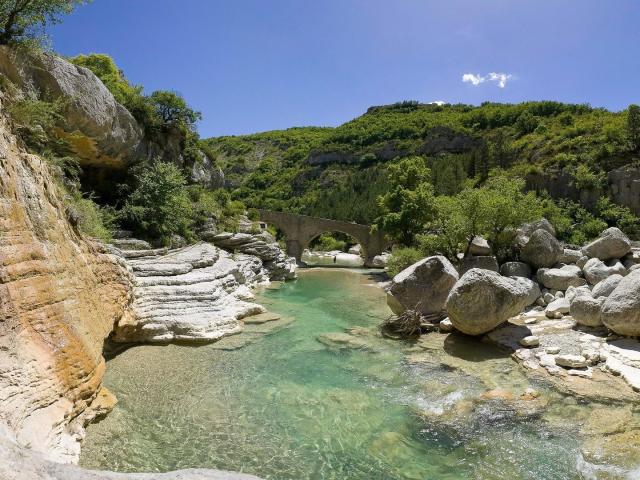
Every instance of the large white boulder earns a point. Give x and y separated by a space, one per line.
557 308
612 243
525 231
542 249
585 309
570 256
621 309
424 285
561 278
481 300
595 270
606 286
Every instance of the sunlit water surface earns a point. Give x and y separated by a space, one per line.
287 406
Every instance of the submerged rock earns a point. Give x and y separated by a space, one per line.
481 300
423 286
22 464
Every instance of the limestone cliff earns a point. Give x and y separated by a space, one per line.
60 295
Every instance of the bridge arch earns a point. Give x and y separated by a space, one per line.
300 230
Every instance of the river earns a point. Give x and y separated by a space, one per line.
321 394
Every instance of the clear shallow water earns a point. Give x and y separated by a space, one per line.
287 406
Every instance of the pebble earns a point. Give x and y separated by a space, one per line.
552 350
530 341
571 361
529 321
580 373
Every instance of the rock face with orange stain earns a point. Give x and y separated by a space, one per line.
60 296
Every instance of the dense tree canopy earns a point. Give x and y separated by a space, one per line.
409 204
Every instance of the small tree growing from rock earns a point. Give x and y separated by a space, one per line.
26 19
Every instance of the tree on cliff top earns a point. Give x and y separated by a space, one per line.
24 19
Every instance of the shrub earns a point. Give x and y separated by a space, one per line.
34 119
328 243
159 205
586 178
402 258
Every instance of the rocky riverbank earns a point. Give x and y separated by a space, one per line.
569 313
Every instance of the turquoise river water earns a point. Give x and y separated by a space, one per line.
299 399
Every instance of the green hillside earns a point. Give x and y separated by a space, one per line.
340 172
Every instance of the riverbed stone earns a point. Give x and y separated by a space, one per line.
585 309
261 318
484 262
542 250
530 341
424 286
557 308
595 270
525 231
571 361
621 309
481 300
606 286
479 247
561 278
570 256
515 269
611 244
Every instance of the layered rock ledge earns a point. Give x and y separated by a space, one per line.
198 293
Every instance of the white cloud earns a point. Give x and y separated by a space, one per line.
499 78
473 79
438 102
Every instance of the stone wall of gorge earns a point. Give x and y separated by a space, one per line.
60 296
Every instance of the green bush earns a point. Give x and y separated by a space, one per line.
328 243
159 206
94 220
402 258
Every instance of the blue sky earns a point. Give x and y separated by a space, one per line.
255 65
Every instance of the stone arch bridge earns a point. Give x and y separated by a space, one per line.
299 230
